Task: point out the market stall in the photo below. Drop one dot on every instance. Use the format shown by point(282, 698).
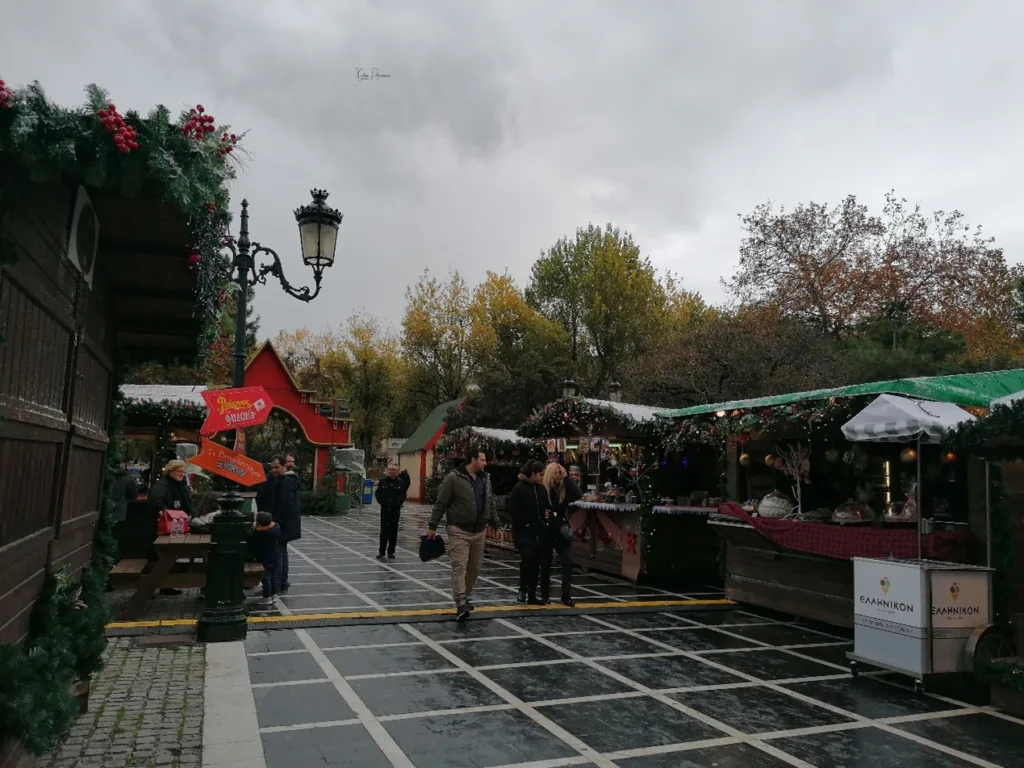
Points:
point(625, 524)
point(915, 615)
point(506, 453)
point(804, 501)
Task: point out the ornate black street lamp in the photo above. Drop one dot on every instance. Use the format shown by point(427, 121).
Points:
point(224, 618)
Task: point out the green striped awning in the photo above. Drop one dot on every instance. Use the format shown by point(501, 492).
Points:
point(971, 389)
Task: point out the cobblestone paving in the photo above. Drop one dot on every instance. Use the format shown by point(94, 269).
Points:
point(145, 709)
point(187, 605)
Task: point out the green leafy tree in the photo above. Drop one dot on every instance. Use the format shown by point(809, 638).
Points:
point(605, 295)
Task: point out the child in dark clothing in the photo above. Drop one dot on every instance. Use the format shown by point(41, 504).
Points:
point(265, 543)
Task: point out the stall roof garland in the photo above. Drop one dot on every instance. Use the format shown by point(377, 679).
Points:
point(163, 413)
point(188, 162)
point(591, 417)
point(967, 389)
point(819, 418)
point(452, 447)
point(999, 436)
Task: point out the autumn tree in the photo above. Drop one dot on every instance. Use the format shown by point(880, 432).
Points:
point(372, 376)
point(841, 268)
point(522, 356)
point(605, 295)
point(748, 353)
point(436, 339)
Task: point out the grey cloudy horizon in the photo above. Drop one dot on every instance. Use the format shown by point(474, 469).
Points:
point(503, 126)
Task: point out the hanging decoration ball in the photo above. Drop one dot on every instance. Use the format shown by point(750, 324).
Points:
point(769, 460)
point(720, 414)
point(948, 457)
point(908, 456)
point(744, 459)
point(780, 464)
point(832, 455)
point(194, 257)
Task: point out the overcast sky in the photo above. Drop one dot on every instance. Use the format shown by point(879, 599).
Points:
point(503, 125)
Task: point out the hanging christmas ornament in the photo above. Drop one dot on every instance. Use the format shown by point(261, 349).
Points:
point(769, 460)
point(194, 257)
point(908, 456)
point(832, 455)
point(744, 459)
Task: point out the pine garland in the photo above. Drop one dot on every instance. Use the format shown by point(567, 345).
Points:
point(571, 415)
point(999, 436)
point(452, 447)
point(186, 165)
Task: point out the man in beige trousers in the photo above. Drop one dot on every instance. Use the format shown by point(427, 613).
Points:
point(466, 498)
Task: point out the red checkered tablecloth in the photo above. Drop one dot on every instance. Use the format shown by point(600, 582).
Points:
point(844, 542)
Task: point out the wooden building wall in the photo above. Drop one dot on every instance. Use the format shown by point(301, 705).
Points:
point(55, 391)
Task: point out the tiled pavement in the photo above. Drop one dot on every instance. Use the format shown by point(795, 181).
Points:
point(727, 688)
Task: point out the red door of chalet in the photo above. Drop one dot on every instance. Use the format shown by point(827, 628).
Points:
point(55, 387)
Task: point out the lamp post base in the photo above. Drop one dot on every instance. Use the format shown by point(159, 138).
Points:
point(224, 619)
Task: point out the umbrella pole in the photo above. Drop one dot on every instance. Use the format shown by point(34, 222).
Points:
point(920, 511)
point(988, 516)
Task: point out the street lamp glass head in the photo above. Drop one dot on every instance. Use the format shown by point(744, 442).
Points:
point(568, 388)
point(318, 231)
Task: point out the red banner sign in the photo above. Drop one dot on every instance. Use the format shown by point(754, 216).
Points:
point(230, 464)
point(235, 409)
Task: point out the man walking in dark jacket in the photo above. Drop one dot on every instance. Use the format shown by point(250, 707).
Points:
point(286, 512)
point(391, 492)
point(531, 512)
point(465, 497)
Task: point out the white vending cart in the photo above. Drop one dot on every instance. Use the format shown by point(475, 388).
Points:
point(916, 616)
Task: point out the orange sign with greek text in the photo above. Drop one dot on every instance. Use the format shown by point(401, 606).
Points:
point(235, 409)
point(230, 464)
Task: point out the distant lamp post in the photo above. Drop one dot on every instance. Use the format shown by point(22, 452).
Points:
point(615, 392)
point(224, 618)
point(569, 388)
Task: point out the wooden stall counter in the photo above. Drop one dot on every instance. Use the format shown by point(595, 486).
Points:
point(806, 568)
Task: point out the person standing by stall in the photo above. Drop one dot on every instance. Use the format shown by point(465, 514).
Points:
point(390, 494)
point(562, 492)
point(286, 512)
point(530, 512)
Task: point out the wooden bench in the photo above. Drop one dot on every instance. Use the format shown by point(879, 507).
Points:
point(181, 564)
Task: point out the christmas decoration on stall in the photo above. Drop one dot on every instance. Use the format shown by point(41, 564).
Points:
point(813, 418)
point(999, 436)
point(103, 148)
point(452, 447)
point(575, 416)
point(795, 463)
point(164, 416)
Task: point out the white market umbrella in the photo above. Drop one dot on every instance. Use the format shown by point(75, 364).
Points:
point(895, 419)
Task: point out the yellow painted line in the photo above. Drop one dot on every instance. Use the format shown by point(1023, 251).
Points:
point(412, 613)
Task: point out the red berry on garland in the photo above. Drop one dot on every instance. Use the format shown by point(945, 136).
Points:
point(199, 108)
point(194, 257)
point(211, 207)
point(111, 107)
point(102, 113)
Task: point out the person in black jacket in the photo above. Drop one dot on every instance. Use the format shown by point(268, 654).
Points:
point(265, 543)
point(390, 494)
point(530, 511)
point(562, 492)
point(286, 512)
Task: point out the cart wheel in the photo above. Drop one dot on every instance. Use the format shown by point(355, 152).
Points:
point(918, 686)
point(854, 671)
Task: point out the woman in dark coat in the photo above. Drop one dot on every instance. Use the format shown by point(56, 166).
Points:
point(529, 505)
point(170, 492)
point(562, 492)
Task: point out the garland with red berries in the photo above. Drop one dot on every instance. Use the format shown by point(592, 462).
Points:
point(188, 160)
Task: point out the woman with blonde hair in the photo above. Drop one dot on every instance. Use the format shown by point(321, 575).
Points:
point(562, 492)
point(170, 492)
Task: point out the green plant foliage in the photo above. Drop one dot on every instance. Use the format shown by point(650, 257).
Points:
point(1008, 673)
point(41, 141)
point(999, 436)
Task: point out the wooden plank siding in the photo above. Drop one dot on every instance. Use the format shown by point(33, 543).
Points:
point(55, 384)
